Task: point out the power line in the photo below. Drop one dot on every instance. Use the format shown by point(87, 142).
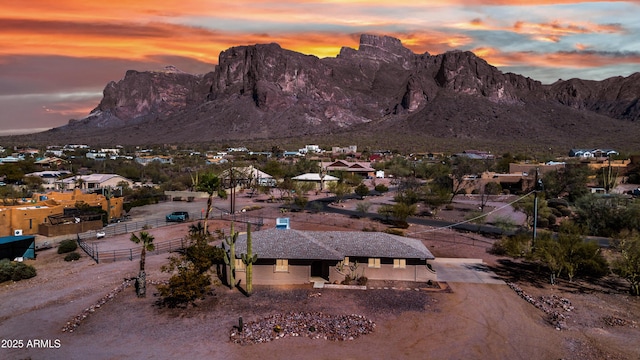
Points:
point(475, 218)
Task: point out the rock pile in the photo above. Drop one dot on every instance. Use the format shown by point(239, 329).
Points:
point(616, 321)
point(315, 325)
point(554, 306)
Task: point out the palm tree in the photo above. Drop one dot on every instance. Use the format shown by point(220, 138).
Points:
point(196, 229)
point(210, 184)
point(147, 245)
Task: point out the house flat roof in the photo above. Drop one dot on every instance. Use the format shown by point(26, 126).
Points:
point(10, 239)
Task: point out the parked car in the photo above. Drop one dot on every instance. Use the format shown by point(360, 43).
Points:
point(178, 216)
point(100, 234)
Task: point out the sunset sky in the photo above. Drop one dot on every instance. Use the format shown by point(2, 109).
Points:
point(57, 56)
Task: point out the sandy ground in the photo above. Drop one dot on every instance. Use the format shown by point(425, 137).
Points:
point(468, 321)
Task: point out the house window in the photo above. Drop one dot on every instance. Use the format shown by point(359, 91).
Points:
point(399, 263)
point(239, 265)
point(374, 262)
point(282, 265)
point(346, 260)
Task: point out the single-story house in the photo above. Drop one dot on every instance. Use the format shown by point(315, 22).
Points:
point(317, 179)
point(50, 177)
point(22, 246)
point(94, 181)
point(245, 177)
point(363, 169)
point(301, 257)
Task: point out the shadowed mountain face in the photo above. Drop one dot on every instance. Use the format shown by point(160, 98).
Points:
point(382, 94)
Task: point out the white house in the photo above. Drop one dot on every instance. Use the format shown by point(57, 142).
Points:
point(94, 182)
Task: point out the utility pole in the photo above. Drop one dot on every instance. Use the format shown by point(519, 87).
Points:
point(537, 186)
point(233, 189)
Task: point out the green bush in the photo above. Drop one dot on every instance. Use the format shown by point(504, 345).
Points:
point(72, 256)
point(565, 211)
point(514, 246)
point(381, 188)
point(394, 231)
point(67, 246)
point(16, 271)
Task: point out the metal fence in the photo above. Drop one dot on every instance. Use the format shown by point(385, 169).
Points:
point(93, 251)
point(126, 227)
point(132, 226)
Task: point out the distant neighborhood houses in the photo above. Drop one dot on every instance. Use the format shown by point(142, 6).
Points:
point(592, 153)
point(476, 155)
point(147, 159)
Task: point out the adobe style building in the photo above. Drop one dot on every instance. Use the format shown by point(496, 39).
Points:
point(43, 212)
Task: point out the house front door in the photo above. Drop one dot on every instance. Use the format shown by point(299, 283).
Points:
point(319, 269)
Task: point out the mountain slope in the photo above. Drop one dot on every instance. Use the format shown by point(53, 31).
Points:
point(382, 91)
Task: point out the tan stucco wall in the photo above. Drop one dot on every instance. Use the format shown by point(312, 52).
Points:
point(28, 215)
point(266, 275)
point(410, 273)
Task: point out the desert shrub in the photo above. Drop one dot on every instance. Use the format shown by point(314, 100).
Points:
point(16, 271)
point(67, 246)
point(394, 231)
point(565, 211)
point(515, 246)
point(72, 256)
point(381, 188)
point(6, 270)
point(251, 208)
point(543, 222)
point(362, 280)
point(23, 271)
point(449, 207)
point(361, 190)
point(185, 286)
point(347, 280)
point(557, 203)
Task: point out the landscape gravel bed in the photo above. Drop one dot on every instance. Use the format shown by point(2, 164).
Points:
point(316, 325)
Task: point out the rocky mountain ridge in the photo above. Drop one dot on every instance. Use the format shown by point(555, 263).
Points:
point(381, 90)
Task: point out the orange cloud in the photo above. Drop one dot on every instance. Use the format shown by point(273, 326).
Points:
point(557, 29)
point(575, 59)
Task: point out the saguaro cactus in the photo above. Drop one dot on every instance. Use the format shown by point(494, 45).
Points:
point(230, 256)
point(249, 259)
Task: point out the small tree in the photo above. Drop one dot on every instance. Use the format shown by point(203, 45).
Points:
point(147, 245)
point(363, 208)
point(627, 264)
point(186, 284)
point(340, 189)
point(210, 184)
point(362, 190)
